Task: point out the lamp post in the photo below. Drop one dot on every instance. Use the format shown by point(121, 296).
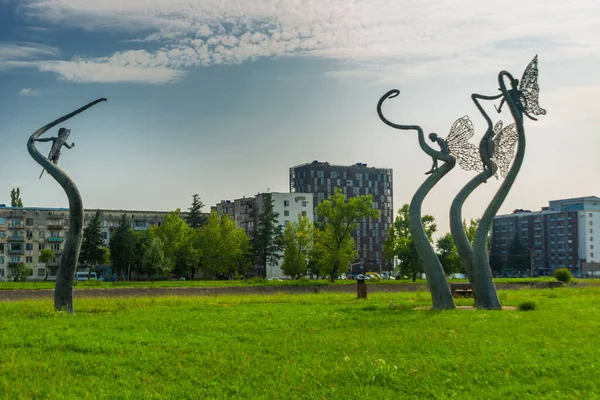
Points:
point(531, 261)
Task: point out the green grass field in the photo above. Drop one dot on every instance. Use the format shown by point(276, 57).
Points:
point(320, 346)
point(249, 282)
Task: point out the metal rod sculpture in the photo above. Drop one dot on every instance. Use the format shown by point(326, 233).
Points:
point(496, 152)
point(436, 279)
point(63, 292)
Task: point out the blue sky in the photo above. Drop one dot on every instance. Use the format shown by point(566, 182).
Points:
point(221, 97)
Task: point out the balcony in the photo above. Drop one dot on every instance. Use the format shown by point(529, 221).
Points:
point(55, 239)
point(16, 238)
point(55, 227)
point(16, 251)
point(16, 226)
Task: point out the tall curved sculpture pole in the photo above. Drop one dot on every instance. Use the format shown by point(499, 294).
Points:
point(63, 292)
point(481, 258)
point(484, 289)
point(436, 279)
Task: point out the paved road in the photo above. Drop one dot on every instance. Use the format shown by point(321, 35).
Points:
point(32, 294)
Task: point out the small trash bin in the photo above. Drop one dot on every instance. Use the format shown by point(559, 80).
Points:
point(361, 287)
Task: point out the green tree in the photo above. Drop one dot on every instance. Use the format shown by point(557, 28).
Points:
point(196, 219)
point(297, 244)
point(122, 246)
point(92, 246)
point(154, 261)
point(141, 240)
point(266, 241)
point(471, 229)
point(178, 238)
point(400, 242)
point(46, 256)
point(223, 246)
point(340, 217)
point(15, 198)
point(518, 255)
point(23, 272)
point(449, 256)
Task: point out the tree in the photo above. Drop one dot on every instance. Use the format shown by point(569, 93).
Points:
point(15, 198)
point(23, 272)
point(122, 245)
point(92, 246)
point(223, 246)
point(400, 242)
point(154, 260)
point(518, 255)
point(178, 238)
point(195, 217)
point(297, 244)
point(46, 256)
point(141, 240)
point(471, 229)
point(340, 218)
point(266, 241)
point(449, 256)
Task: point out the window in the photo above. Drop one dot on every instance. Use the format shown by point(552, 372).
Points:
point(591, 254)
point(42, 234)
point(2, 234)
point(591, 238)
point(41, 246)
point(304, 203)
point(29, 259)
point(29, 234)
point(1, 259)
point(591, 230)
point(55, 247)
point(28, 246)
point(15, 259)
point(104, 235)
point(41, 272)
point(591, 222)
point(29, 221)
point(591, 247)
point(42, 222)
point(286, 213)
point(55, 234)
point(2, 221)
point(304, 213)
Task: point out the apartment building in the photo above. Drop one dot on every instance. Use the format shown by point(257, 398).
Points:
point(245, 213)
point(26, 231)
point(558, 236)
point(321, 179)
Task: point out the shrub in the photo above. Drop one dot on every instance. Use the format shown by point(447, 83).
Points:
point(527, 306)
point(255, 281)
point(563, 275)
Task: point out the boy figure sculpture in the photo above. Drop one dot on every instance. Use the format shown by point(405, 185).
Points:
point(443, 148)
point(57, 144)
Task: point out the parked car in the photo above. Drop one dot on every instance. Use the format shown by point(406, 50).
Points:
point(84, 276)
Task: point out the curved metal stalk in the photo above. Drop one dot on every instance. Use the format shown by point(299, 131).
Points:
point(63, 292)
point(484, 289)
point(481, 258)
point(436, 279)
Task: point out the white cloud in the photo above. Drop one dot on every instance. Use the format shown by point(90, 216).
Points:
point(97, 72)
point(12, 52)
point(29, 92)
point(421, 36)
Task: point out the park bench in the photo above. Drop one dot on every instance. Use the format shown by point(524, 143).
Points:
point(461, 289)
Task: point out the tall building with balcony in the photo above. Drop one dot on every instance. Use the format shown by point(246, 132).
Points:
point(321, 179)
point(26, 231)
point(558, 236)
point(245, 213)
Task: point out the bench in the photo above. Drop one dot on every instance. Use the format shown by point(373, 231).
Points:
point(461, 290)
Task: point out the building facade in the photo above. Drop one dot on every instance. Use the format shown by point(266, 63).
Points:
point(26, 231)
point(322, 179)
point(559, 236)
point(246, 211)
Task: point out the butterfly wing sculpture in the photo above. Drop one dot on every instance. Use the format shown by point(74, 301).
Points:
point(530, 89)
point(467, 154)
point(504, 140)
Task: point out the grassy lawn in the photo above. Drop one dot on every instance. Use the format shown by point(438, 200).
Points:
point(319, 346)
point(249, 282)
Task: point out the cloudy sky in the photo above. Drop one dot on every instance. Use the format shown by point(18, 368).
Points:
point(221, 97)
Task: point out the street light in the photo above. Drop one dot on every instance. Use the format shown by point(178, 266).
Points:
point(531, 261)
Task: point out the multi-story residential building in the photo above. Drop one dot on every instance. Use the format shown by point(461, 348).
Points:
point(246, 211)
point(322, 179)
point(558, 236)
point(26, 231)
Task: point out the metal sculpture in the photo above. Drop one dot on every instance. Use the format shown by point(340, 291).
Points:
point(436, 279)
point(57, 144)
point(63, 292)
point(496, 152)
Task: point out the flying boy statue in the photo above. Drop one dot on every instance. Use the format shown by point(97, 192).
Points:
point(57, 144)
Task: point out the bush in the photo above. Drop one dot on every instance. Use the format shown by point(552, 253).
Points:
point(256, 281)
point(563, 275)
point(527, 306)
